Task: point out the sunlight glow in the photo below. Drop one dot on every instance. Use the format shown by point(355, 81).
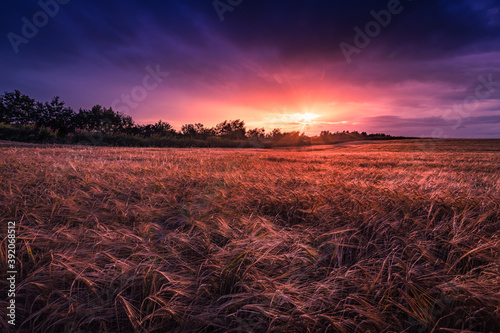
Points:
point(291, 121)
point(306, 118)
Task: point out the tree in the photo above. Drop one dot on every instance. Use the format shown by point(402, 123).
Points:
point(18, 108)
point(103, 120)
point(325, 133)
point(163, 129)
point(233, 129)
point(55, 116)
point(196, 131)
point(257, 133)
point(275, 134)
point(188, 130)
point(4, 115)
point(90, 120)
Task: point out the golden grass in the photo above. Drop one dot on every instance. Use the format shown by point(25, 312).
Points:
point(372, 237)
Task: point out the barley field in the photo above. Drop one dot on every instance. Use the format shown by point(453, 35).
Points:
point(393, 236)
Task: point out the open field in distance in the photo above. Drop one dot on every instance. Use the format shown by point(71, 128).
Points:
point(373, 236)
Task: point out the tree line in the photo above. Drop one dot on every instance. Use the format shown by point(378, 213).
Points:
point(24, 119)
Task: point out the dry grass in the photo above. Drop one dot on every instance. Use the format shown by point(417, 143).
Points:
point(378, 237)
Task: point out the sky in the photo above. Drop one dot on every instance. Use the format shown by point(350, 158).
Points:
point(410, 67)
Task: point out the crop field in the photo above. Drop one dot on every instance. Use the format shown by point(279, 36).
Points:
point(389, 236)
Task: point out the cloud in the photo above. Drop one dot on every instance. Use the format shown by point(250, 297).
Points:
point(265, 56)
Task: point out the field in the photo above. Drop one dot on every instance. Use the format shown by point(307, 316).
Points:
point(360, 237)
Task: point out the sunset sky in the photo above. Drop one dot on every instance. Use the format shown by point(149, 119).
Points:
point(428, 68)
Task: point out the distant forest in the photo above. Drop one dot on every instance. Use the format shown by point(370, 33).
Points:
point(24, 119)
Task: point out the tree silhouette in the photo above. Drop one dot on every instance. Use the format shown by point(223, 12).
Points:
point(257, 133)
point(101, 125)
point(232, 129)
point(18, 108)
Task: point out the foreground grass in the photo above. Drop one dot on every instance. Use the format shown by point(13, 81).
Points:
point(392, 236)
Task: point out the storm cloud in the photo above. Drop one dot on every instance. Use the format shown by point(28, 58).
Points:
point(265, 59)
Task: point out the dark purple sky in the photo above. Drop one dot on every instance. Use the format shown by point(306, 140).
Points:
point(420, 68)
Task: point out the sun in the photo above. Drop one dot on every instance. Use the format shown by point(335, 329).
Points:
point(293, 121)
point(306, 118)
